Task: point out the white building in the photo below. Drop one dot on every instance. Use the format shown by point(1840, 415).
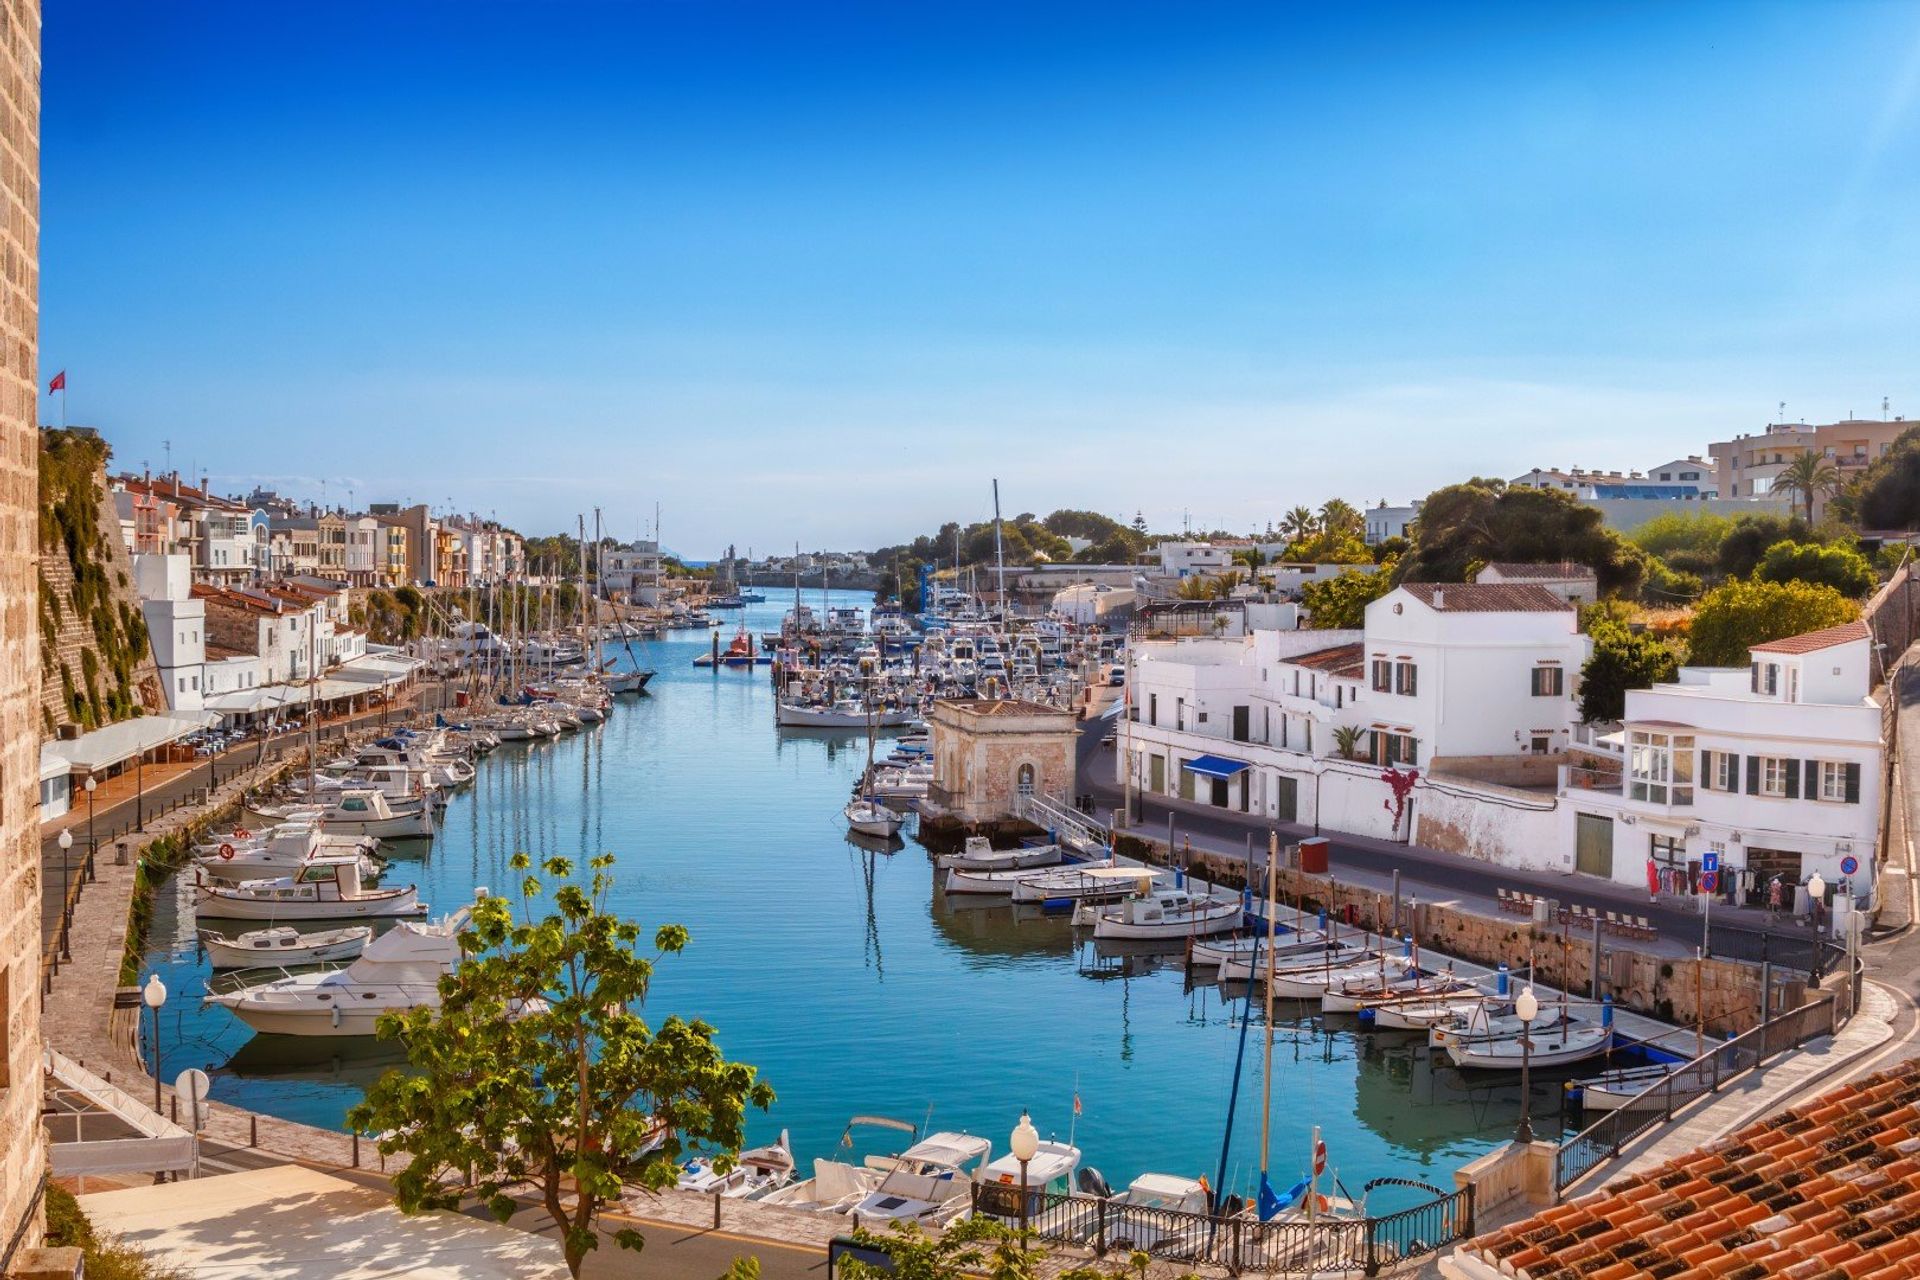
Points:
point(633, 573)
point(176, 626)
point(1385, 522)
point(1296, 725)
point(1774, 768)
point(1574, 583)
point(1187, 559)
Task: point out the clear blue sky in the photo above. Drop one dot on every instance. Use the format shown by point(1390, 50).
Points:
point(818, 272)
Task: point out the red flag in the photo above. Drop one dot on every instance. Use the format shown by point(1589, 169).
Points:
point(59, 382)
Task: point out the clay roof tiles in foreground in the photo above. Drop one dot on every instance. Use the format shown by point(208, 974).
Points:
point(1341, 659)
point(1830, 1189)
point(1486, 597)
point(1845, 633)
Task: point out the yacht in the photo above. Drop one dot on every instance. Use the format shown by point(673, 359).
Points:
point(399, 971)
point(931, 1181)
point(328, 887)
point(836, 1185)
point(365, 812)
point(280, 850)
point(1048, 1178)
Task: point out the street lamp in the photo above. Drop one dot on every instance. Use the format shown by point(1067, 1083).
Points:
point(66, 843)
point(90, 784)
point(1526, 1008)
point(1025, 1144)
point(153, 995)
point(1817, 891)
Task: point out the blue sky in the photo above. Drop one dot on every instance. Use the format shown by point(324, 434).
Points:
point(819, 272)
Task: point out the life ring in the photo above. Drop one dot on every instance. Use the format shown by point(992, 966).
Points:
point(241, 833)
point(226, 851)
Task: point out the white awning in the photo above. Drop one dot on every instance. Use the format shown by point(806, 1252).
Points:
point(133, 1138)
point(117, 743)
point(52, 764)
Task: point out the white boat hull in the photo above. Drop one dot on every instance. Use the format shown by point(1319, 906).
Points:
point(231, 904)
point(1222, 918)
point(334, 944)
point(1556, 1047)
point(794, 717)
point(1022, 859)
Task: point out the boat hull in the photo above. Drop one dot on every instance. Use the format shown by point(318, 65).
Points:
point(1198, 925)
point(224, 904)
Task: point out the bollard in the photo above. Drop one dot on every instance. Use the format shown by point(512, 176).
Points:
point(173, 1108)
point(253, 1131)
point(356, 1151)
point(1503, 979)
point(716, 1211)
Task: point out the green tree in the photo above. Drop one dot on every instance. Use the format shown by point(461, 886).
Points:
point(1835, 565)
point(1338, 516)
point(1682, 531)
point(1807, 478)
point(1299, 524)
point(1340, 603)
point(538, 1069)
point(1666, 585)
point(1622, 659)
point(1751, 535)
point(1889, 495)
point(1736, 615)
point(1486, 521)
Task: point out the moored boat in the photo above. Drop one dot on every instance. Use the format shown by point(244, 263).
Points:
point(327, 888)
point(1165, 915)
point(283, 945)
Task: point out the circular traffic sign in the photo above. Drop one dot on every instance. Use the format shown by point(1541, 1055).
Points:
point(1709, 881)
point(1849, 865)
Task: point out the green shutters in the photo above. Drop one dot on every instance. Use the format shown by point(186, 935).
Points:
point(1753, 775)
point(1793, 779)
point(1853, 784)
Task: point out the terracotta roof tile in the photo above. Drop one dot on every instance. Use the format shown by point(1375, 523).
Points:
point(1486, 597)
point(1828, 1201)
point(1333, 660)
point(1813, 641)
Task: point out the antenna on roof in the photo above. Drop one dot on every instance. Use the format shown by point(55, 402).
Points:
point(1783, 411)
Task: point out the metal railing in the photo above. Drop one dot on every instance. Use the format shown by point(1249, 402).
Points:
point(1603, 1140)
point(1237, 1242)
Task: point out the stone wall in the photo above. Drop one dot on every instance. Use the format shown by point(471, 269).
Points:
point(22, 1145)
point(1495, 824)
point(74, 634)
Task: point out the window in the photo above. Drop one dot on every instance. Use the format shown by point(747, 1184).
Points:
point(1296, 684)
point(1839, 782)
point(1394, 748)
point(1153, 708)
point(1773, 776)
point(1722, 770)
point(1660, 767)
point(1542, 744)
point(1382, 675)
point(1025, 780)
point(1766, 677)
point(1547, 682)
point(1404, 678)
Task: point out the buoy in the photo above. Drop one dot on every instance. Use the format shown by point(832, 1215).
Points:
point(226, 851)
point(241, 833)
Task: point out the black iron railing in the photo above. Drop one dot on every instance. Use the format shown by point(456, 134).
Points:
point(1724, 1061)
point(1237, 1242)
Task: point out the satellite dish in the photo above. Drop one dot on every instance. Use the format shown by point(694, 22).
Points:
point(191, 1087)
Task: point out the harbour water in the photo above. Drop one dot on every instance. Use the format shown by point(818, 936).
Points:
point(848, 979)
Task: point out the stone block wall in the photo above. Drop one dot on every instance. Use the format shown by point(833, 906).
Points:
point(74, 634)
point(22, 1145)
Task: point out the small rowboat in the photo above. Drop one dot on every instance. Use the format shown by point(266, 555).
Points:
point(1612, 1090)
point(1571, 1041)
point(284, 945)
point(980, 855)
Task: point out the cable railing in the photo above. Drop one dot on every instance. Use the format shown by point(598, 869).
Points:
point(1655, 1105)
point(1237, 1242)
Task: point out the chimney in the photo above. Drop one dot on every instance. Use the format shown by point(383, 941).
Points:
point(1439, 598)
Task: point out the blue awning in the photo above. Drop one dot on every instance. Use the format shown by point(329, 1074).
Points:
point(1215, 766)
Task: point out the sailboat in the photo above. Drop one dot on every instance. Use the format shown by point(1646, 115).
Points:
point(864, 814)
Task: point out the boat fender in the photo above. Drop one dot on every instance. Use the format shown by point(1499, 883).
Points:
point(226, 851)
point(1092, 1183)
point(334, 1014)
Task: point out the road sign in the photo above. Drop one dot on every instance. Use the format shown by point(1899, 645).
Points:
point(1849, 865)
point(1709, 881)
point(1710, 862)
point(191, 1088)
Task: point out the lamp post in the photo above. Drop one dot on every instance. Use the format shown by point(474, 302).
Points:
point(92, 848)
point(1817, 892)
point(1025, 1144)
point(153, 995)
point(66, 843)
point(1526, 1008)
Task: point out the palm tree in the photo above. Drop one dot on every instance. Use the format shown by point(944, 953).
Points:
point(1808, 477)
point(1298, 523)
point(1346, 740)
point(1337, 516)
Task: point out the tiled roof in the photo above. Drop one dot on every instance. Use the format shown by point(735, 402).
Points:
point(1002, 707)
point(1331, 660)
point(1845, 633)
point(221, 597)
point(1830, 1188)
point(1554, 571)
point(1486, 597)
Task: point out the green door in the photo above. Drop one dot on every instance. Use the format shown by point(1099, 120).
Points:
point(1286, 796)
point(1593, 845)
point(1157, 775)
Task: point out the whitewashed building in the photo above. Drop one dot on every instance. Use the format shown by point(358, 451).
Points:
point(1574, 583)
point(1188, 559)
point(1383, 521)
point(633, 573)
point(1773, 769)
point(176, 626)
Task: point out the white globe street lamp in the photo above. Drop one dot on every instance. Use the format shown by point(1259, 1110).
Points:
point(153, 995)
point(1526, 1008)
point(1025, 1144)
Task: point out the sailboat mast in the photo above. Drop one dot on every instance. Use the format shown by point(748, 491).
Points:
point(1266, 1072)
point(999, 552)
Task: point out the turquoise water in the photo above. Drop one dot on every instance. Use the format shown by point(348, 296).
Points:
point(851, 982)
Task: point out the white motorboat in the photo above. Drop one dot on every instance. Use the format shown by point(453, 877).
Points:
point(1612, 1090)
point(845, 714)
point(757, 1171)
point(978, 854)
point(400, 970)
point(871, 818)
point(279, 851)
point(283, 945)
point(834, 1184)
point(930, 1181)
point(1246, 948)
point(1554, 1046)
point(1048, 1176)
point(1420, 1015)
point(1000, 884)
point(1164, 915)
point(1137, 1220)
point(327, 888)
point(1097, 881)
point(1406, 983)
point(365, 812)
